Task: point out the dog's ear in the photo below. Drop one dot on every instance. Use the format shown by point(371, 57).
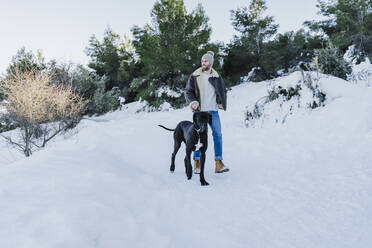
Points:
point(210, 119)
point(194, 117)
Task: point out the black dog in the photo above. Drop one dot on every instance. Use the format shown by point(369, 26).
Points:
point(191, 133)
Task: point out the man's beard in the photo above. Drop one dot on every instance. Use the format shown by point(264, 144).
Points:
point(206, 67)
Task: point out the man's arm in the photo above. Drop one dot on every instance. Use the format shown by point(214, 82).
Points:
point(223, 94)
point(190, 96)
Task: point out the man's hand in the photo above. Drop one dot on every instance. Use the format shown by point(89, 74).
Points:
point(195, 106)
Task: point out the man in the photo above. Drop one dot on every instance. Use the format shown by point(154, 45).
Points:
point(206, 91)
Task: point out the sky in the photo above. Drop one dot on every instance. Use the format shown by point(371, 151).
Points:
point(61, 29)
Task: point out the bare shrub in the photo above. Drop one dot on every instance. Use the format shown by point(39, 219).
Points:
point(39, 108)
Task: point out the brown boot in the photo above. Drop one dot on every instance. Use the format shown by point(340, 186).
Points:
point(196, 166)
point(220, 167)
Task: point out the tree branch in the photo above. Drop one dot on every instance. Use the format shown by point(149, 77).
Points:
point(12, 142)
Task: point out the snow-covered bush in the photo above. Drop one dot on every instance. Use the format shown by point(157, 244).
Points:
point(146, 107)
point(300, 92)
point(103, 102)
point(361, 74)
point(252, 76)
point(330, 61)
point(5, 123)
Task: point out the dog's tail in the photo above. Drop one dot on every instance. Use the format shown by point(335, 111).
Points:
point(166, 128)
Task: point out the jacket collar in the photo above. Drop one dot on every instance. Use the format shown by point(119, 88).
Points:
point(199, 71)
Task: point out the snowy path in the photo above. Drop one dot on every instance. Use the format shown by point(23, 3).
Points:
point(304, 184)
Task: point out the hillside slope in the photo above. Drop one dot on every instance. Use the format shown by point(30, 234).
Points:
point(306, 183)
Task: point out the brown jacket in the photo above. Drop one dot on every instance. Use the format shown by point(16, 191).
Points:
point(194, 88)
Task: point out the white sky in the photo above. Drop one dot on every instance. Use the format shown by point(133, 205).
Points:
point(61, 29)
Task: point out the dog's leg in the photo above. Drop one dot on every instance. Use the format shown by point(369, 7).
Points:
point(177, 145)
point(188, 167)
point(202, 162)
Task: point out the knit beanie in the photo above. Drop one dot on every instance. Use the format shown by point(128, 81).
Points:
point(209, 56)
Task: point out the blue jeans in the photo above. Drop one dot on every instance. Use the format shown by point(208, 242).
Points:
point(217, 137)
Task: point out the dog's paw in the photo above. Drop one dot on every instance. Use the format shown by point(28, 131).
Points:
point(204, 183)
point(172, 169)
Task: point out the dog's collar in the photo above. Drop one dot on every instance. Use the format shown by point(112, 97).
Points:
point(197, 130)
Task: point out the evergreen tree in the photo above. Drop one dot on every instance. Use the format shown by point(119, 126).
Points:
point(25, 61)
point(88, 84)
point(288, 50)
point(247, 49)
point(349, 23)
point(331, 61)
point(169, 50)
point(253, 26)
point(112, 59)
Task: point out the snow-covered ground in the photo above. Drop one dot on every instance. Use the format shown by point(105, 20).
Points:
point(362, 73)
point(307, 183)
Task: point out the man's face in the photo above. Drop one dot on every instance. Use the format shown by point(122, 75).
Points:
point(205, 65)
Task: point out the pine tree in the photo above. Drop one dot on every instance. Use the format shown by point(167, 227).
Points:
point(247, 49)
point(349, 23)
point(170, 49)
point(253, 26)
point(331, 61)
point(112, 59)
point(25, 61)
point(288, 50)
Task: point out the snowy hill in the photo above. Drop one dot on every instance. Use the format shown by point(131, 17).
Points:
point(306, 183)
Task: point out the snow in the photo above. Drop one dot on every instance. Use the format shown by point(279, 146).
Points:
point(167, 91)
point(306, 183)
point(3, 109)
point(362, 73)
